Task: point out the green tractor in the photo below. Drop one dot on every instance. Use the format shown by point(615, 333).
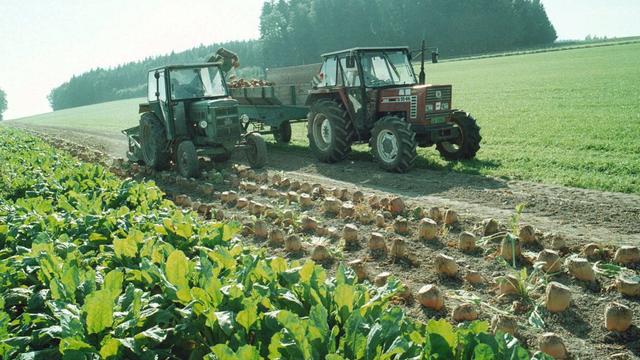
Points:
point(190, 113)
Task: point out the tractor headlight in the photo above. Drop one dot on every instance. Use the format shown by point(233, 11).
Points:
point(203, 124)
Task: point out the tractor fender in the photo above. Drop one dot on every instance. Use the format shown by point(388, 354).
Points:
point(340, 96)
point(312, 98)
point(459, 114)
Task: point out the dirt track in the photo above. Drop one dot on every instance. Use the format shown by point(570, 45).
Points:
point(580, 215)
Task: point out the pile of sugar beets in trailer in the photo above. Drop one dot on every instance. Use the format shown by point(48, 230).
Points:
point(355, 96)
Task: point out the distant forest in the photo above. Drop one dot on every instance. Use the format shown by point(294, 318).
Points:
point(3, 103)
point(294, 32)
point(130, 80)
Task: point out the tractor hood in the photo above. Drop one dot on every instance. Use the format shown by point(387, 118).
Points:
point(217, 120)
point(215, 103)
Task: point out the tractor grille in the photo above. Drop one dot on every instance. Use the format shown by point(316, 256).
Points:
point(227, 116)
point(227, 111)
point(443, 91)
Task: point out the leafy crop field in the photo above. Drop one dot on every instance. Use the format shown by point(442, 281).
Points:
point(568, 117)
point(95, 267)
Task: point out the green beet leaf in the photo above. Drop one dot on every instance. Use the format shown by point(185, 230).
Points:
point(247, 317)
point(110, 349)
point(99, 309)
point(177, 269)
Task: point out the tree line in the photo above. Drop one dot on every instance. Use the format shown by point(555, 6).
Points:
point(130, 80)
point(295, 32)
point(3, 103)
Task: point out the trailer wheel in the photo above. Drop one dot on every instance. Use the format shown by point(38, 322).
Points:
point(256, 150)
point(187, 160)
point(393, 144)
point(154, 142)
point(467, 145)
point(329, 130)
point(282, 134)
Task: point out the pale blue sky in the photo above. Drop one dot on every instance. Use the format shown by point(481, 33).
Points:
point(44, 42)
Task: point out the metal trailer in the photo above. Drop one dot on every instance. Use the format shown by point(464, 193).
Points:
point(272, 109)
point(262, 111)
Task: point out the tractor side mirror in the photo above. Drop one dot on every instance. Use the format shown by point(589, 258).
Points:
point(351, 62)
point(156, 75)
point(434, 57)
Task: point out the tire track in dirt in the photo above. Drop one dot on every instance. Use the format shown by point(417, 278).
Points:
point(580, 215)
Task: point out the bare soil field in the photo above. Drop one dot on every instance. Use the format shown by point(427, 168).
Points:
point(581, 215)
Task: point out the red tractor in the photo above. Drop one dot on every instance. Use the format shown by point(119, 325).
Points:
point(372, 95)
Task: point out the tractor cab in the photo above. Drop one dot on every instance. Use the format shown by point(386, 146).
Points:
point(190, 113)
point(190, 100)
point(371, 68)
point(371, 95)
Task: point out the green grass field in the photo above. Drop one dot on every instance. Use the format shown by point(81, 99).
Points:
point(565, 117)
point(109, 118)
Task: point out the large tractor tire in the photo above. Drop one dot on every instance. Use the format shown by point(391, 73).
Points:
point(154, 145)
point(467, 145)
point(393, 144)
point(187, 160)
point(256, 150)
point(282, 134)
point(329, 130)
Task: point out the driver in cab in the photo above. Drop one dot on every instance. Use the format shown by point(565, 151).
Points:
point(370, 78)
point(186, 84)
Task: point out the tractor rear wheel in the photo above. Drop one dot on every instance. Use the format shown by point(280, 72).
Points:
point(154, 142)
point(282, 134)
point(329, 130)
point(393, 144)
point(467, 145)
point(187, 160)
point(256, 150)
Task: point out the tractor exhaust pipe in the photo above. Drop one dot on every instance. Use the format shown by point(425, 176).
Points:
point(422, 78)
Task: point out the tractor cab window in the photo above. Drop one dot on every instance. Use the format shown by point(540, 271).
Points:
point(152, 87)
point(384, 68)
point(194, 83)
point(328, 72)
point(156, 85)
point(351, 76)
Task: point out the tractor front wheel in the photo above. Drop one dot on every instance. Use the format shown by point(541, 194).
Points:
point(187, 160)
point(154, 142)
point(282, 134)
point(394, 144)
point(467, 144)
point(329, 130)
point(256, 150)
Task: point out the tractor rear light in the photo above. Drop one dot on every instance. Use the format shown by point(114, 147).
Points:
point(203, 124)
